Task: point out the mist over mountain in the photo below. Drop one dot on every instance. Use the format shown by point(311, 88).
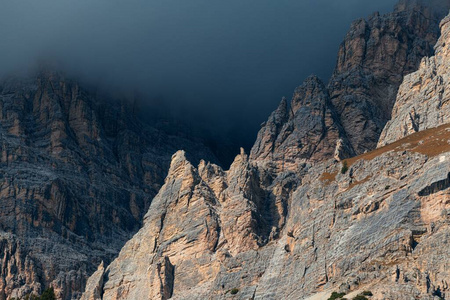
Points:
point(209, 64)
point(119, 128)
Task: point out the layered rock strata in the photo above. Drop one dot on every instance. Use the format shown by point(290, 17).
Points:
point(78, 172)
point(373, 59)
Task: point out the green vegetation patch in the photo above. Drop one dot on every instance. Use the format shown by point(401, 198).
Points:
point(48, 294)
point(344, 167)
point(360, 297)
point(336, 295)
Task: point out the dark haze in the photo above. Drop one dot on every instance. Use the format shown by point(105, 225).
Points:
point(219, 66)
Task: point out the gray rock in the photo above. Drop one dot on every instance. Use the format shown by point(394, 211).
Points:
point(348, 115)
point(261, 231)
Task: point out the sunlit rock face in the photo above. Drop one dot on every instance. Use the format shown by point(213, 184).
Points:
point(382, 226)
point(78, 172)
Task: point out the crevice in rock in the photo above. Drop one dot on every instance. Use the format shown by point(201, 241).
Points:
point(436, 187)
point(415, 237)
point(254, 293)
point(438, 293)
point(414, 243)
point(168, 276)
point(102, 287)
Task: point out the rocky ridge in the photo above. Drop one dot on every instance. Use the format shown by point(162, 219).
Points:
point(383, 226)
point(373, 59)
point(79, 173)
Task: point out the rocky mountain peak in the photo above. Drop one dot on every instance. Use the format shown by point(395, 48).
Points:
point(348, 115)
point(300, 216)
point(178, 164)
point(241, 158)
point(381, 226)
point(308, 133)
point(311, 92)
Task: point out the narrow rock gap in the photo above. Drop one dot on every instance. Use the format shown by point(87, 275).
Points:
point(436, 187)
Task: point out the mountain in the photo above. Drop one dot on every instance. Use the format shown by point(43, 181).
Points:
point(314, 208)
point(290, 243)
point(302, 217)
point(347, 116)
point(78, 171)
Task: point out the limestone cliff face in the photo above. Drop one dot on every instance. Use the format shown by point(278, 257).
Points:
point(424, 97)
point(383, 226)
point(308, 130)
point(78, 172)
point(197, 222)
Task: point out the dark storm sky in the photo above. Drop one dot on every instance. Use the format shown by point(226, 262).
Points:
point(224, 63)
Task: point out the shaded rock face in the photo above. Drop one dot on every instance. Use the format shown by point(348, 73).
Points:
point(78, 172)
point(423, 100)
point(373, 59)
point(308, 130)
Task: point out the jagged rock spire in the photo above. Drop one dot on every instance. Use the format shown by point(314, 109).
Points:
point(308, 132)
